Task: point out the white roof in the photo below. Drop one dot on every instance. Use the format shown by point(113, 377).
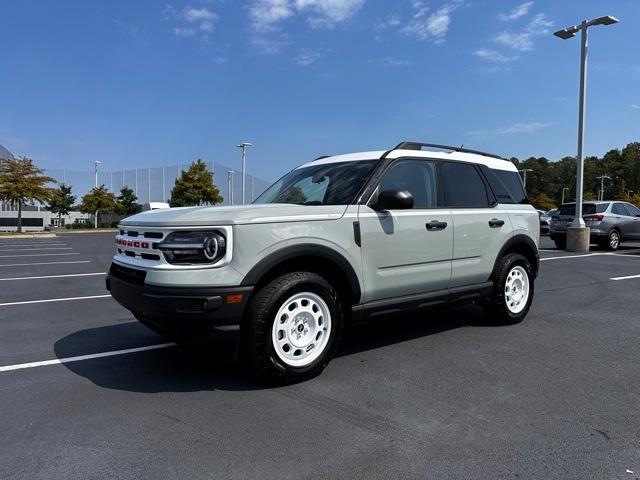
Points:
point(490, 162)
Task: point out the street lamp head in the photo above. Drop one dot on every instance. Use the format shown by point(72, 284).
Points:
point(566, 33)
point(606, 20)
point(97, 162)
point(245, 144)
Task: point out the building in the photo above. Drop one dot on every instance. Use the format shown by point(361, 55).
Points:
point(35, 217)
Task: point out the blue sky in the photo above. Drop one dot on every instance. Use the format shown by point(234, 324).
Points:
point(149, 82)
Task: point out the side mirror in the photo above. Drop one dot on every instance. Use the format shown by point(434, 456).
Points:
point(394, 200)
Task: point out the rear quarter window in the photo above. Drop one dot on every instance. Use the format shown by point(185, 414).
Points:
point(507, 185)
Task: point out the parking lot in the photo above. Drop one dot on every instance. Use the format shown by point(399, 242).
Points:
point(87, 392)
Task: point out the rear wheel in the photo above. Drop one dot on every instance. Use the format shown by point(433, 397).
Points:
point(613, 240)
point(561, 243)
point(513, 291)
point(292, 327)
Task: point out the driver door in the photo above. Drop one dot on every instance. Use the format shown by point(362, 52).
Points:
point(408, 251)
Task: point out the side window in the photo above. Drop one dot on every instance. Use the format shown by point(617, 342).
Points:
point(618, 209)
point(418, 177)
point(463, 186)
point(633, 210)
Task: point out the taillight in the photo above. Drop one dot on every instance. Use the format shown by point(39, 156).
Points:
point(593, 218)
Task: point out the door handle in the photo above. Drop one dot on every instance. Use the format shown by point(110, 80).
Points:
point(494, 222)
point(436, 225)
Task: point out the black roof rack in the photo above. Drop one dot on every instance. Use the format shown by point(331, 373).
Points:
point(419, 145)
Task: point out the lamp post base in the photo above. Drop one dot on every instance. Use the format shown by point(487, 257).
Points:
point(578, 239)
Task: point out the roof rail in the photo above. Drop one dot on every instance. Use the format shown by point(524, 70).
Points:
point(321, 157)
point(419, 145)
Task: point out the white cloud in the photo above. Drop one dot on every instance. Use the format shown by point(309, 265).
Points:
point(266, 15)
point(392, 62)
point(634, 106)
point(493, 56)
point(433, 27)
point(269, 46)
point(523, 127)
point(184, 31)
point(307, 57)
point(195, 15)
point(389, 22)
point(523, 41)
point(519, 11)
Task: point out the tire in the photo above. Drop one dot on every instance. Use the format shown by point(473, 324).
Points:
point(613, 240)
point(292, 328)
point(515, 271)
point(561, 244)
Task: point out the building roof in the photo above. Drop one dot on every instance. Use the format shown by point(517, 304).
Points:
point(5, 154)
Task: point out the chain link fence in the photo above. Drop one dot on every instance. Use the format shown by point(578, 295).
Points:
point(154, 184)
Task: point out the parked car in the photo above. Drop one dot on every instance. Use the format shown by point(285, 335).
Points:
point(335, 241)
point(611, 223)
point(545, 221)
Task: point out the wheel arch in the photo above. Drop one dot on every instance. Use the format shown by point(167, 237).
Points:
point(314, 258)
point(522, 244)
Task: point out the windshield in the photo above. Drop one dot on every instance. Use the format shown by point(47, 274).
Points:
point(324, 184)
point(587, 209)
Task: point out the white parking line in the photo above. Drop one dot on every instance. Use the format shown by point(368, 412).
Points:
point(49, 300)
point(52, 276)
point(610, 254)
point(42, 263)
point(38, 255)
point(625, 278)
point(31, 249)
point(80, 358)
point(33, 244)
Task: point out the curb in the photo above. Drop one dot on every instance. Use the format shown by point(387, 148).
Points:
point(28, 235)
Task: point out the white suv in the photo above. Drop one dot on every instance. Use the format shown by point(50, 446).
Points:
point(336, 240)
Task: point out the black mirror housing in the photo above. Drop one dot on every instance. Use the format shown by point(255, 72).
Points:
point(394, 200)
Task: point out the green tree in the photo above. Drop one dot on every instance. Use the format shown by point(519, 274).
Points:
point(195, 187)
point(22, 181)
point(127, 202)
point(543, 202)
point(61, 201)
point(98, 201)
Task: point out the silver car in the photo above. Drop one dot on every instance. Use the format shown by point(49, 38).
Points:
point(611, 223)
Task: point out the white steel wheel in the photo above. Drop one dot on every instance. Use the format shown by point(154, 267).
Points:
point(614, 240)
point(301, 329)
point(516, 289)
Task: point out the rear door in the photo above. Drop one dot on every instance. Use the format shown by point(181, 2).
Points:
point(407, 252)
point(623, 220)
point(481, 225)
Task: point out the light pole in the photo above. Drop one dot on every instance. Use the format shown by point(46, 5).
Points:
point(602, 178)
point(244, 146)
point(95, 171)
point(524, 172)
point(230, 186)
point(565, 188)
point(578, 233)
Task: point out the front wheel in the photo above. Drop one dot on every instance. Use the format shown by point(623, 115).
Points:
point(613, 240)
point(292, 327)
point(513, 291)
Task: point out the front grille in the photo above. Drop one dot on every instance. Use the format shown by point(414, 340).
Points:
point(126, 274)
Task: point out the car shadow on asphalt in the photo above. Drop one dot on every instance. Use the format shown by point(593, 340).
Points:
point(213, 366)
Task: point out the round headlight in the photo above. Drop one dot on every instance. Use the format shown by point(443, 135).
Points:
point(211, 247)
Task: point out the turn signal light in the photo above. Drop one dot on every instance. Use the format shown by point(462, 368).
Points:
point(235, 298)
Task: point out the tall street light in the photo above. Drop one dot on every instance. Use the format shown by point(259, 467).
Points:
point(602, 178)
point(95, 170)
point(230, 186)
point(244, 146)
point(524, 172)
point(578, 234)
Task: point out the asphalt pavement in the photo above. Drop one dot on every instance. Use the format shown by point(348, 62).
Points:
point(87, 392)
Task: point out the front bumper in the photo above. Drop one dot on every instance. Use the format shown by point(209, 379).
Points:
point(176, 307)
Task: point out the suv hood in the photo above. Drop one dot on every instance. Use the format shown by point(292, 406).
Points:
point(236, 215)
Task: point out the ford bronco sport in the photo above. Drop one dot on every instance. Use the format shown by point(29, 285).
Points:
point(337, 240)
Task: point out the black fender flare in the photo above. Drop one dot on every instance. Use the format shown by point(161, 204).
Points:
point(278, 257)
point(514, 241)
